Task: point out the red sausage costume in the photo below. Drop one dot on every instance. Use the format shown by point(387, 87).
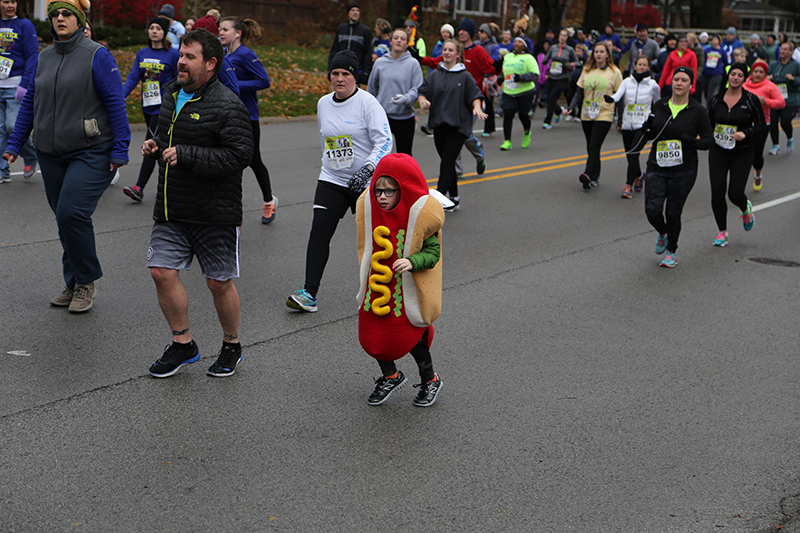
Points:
point(396, 309)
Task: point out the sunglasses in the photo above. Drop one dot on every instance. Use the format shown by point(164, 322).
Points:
point(66, 13)
point(388, 192)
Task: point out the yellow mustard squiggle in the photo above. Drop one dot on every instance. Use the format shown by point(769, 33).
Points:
point(383, 273)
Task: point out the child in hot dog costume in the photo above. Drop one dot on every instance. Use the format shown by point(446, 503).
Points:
point(399, 248)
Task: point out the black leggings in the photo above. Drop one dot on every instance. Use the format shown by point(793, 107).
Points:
point(421, 354)
point(554, 90)
point(632, 140)
point(448, 143)
point(721, 162)
point(333, 201)
point(488, 124)
point(148, 163)
point(520, 104)
point(595, 133)
point(403, 130)
point(260, 170)
point(759, 140)
point(672, 186)
point(783, 118)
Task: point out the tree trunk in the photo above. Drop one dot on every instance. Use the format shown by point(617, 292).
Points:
point(597, 15)
point(706, 13)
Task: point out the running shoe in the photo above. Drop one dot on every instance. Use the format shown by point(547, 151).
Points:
point(526, 139)
point(426, 130)
point(481, 167)
point(63, 299)
point(174, 357)
point(670, 260)
point(29, 171)
point(456, 205)
point(384, 387)
point(558, 116)
point(790, 146)
point(115, 179)
point(302, 301)
point(229, 356)
point(776, 149)
point(134, 193)
point(568, 118)
point(268, 211)
point(756, 182)
point(661, 244)
point(721, 240)
point(505, 146)
point(5, 179)
point(82, 298)
point(586, 181)
point(547, 127)
point(638, 183)
point(428, 392)
point(627, 192)
point(595, 183)
point(484, 134)
point(748, 218)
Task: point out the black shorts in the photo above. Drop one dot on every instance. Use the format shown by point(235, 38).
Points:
point(335, 198)
point(174, 244)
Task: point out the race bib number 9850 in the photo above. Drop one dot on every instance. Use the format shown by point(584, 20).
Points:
point(669, 153)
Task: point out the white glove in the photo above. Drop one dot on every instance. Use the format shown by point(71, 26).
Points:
point(399, 99)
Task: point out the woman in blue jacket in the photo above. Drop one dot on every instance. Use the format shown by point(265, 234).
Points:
point(252, 77)
point(155, 66)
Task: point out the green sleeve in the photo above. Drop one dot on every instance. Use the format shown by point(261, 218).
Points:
point(428, 256)
point(421, 48)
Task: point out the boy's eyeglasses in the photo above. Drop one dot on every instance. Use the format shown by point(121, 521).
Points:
point(66, 13)
point(388, 192)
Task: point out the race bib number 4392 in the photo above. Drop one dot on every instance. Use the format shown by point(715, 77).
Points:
point(339, 152)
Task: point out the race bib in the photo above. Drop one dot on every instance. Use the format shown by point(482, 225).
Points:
point(151, 93)
point(635, 113)
point(784, 89)
point(669, 153)
point(591, 109)
point(339, 152)
point(712, 62)
point(556, 67)
point(5, 67)
point(509, 82)
point(723, 136)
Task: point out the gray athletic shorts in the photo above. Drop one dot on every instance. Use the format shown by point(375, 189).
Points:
point(174, 244)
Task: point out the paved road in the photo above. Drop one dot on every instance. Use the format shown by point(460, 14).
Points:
point(586, 389)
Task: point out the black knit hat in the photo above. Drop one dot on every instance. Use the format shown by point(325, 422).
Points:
point(347, 60)
point(739, 66)
point(686, 70)
point(161, 21)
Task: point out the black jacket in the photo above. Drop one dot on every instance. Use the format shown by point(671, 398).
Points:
point(358, 38)
point(214, 141)
point(691, 122)
point(746, 115)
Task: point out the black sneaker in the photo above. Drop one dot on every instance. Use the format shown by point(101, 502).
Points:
point(384, 387)
point(481, 167)
point(428, 392)
point(456, 205)
point(175, 356)
point(426, 130)
point(227, 360)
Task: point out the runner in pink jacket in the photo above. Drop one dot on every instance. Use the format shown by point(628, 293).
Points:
point(771, 98)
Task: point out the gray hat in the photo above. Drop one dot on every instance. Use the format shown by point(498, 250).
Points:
point(168, 11)
point(755, 36)
point(731, 31)
point(486, 29)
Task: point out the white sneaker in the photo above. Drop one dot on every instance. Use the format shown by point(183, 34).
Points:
point(115, 179)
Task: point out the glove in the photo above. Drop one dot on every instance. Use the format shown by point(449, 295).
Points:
point(515, 78)
point(608, 98)
point(20, 94)
point(361, 179)
point(689, 139)
point(399, 99)
point(648, 124)
point(414, 52)
point(363, 79)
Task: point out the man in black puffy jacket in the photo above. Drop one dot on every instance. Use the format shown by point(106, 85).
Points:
point(204, 142)
point(352, 35)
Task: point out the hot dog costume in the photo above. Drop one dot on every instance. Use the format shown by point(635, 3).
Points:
point(396, 309)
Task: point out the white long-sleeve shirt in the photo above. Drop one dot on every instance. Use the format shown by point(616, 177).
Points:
point(352, 133)
point(638, 100)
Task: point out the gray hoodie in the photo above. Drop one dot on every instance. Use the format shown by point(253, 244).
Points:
point(391, 77)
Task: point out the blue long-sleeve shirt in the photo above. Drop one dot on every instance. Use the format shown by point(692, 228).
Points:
point(108, 85)
point(159, 65)
point(251, 76)
point(18, 42)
